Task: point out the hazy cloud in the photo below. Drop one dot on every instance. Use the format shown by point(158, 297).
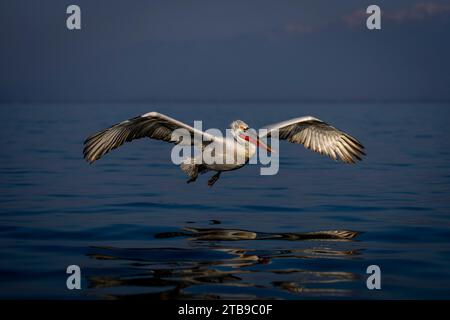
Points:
point(299, 28)
point(416, 12)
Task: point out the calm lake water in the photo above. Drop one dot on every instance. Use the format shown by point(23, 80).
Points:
point(136, 229)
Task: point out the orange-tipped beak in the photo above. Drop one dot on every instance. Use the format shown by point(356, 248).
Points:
point(256, 141)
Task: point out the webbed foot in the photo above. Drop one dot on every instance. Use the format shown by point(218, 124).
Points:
point(214, 179)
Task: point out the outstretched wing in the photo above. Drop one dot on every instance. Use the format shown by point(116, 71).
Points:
point(152, 125)
point(320, 137)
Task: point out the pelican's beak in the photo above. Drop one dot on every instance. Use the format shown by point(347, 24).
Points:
point(256, 141)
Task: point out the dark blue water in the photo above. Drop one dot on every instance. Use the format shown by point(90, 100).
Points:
point(137, 229)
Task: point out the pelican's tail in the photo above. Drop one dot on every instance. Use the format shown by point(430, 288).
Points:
point(192, 169)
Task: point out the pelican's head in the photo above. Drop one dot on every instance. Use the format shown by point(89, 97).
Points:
point(241, 133)
point(239, 126)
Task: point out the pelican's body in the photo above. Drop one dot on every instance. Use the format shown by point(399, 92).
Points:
point(313, 133)
point(229, 147)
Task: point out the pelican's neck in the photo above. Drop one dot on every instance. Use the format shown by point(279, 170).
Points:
point(246, 146)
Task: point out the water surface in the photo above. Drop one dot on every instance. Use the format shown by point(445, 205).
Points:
point(137, 229)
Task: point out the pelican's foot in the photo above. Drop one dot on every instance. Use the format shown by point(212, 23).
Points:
point(191, 180)
point(213, 179)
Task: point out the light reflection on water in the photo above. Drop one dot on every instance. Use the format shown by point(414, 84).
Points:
point(169, 273)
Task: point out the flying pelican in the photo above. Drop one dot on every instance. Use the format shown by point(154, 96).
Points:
point(313, 133)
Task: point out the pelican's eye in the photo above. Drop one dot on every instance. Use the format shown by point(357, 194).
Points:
point(244, 129)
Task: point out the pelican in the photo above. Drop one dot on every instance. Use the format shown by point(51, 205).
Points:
point(312, 133)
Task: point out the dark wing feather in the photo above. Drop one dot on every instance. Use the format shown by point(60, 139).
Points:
point(151, 125)
point(320, 137)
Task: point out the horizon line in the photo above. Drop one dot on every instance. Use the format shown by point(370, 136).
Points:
point(166, 100)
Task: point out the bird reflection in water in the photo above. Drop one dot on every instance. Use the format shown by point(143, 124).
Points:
point(209, 269)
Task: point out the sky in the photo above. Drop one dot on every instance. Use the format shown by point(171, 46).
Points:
point(224, 50)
